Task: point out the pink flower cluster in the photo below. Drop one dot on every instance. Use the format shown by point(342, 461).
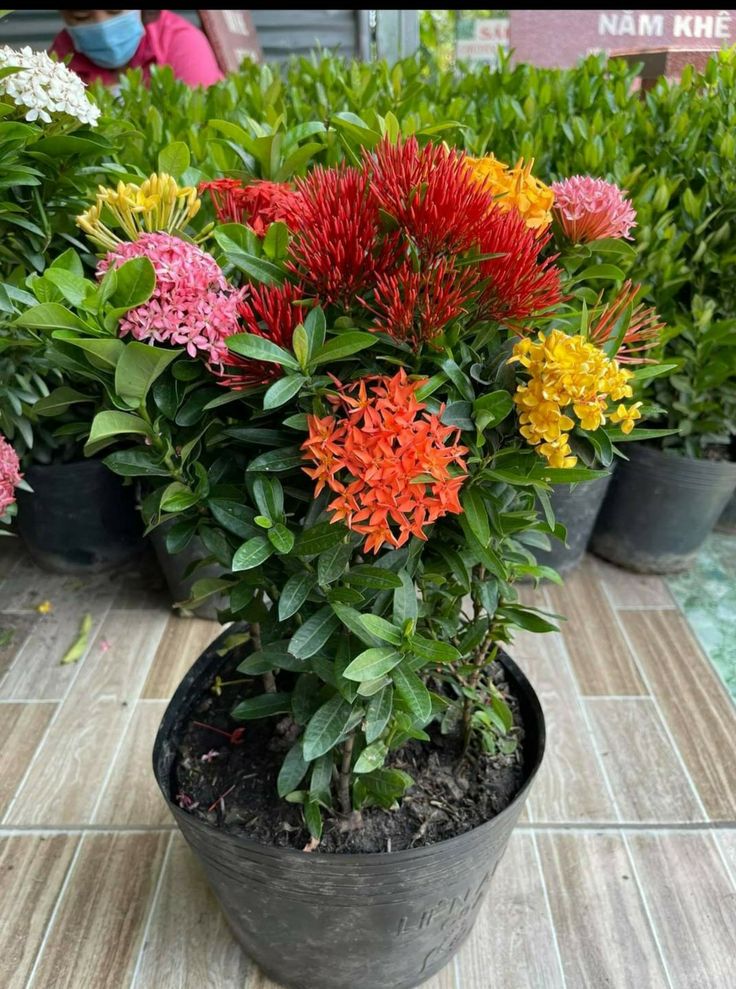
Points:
point(10, 475)
point(192, 304)
point(589, 209)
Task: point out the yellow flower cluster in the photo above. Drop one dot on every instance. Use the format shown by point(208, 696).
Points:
point(568, 371)
point(516, 188)
point(158, 204)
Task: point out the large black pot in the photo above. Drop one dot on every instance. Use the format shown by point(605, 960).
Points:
point(659, 509)
point(324, 921)
point(80, 518)
point(727, 520)
point(576, 506)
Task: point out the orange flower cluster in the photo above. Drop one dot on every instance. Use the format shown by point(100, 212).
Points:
point(393, 459)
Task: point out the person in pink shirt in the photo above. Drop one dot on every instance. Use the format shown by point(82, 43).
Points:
point(104, 43)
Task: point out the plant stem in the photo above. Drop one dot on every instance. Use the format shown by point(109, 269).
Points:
point(479, 662)
point(268, 679)
point(346, 804)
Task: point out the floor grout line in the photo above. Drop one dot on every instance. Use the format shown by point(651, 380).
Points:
point(54, 912)
point(665, 724)
point(731, 873)
point(55, 715)
point(647, 911)
point(151, 911)
point(550, 915)
point(131, 708)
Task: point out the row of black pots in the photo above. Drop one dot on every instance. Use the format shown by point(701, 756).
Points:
point(652, 515)
point(346, 921)
point(80, 518)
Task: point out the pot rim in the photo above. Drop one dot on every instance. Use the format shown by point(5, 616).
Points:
point(175, 714)
point(643, 451)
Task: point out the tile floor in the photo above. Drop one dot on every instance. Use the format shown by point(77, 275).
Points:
point(621, 875)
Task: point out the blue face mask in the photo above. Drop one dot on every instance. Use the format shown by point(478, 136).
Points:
point(111, 43)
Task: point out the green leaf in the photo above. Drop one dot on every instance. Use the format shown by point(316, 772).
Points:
point(137, 368)
point(434, 651)
point(80, 645)
point(233, 516)
point(261, 349)
point(326, 727)
point(333, 562)
point(528, 620)
point(321, 779)
point(475, 512)
point(276, 241)
point(378, 713)
point(382, 629)
point(271, 657)
point(252, 553)
point(59, 400)
point(263, 706)
point(135, 282)
point(353, 620)
point(73, 287)
point(281, 538)
point(314, 633)
point(491, 409)
point(135, 463)
point(372, 663)
point(413, 693)
point(259, 269)
point(286, 458)
point(178, 497)
point(110, 424)
point(51, 316)
point(315, 327)
point(343, 345)
point(319, 538)
point(294, 593)
point(406, 606)
point(374, 578)
point(383, 787)
point(371, 758)
point(174, 159)
point(282, 390)
point(293, 770)
point(313, 818)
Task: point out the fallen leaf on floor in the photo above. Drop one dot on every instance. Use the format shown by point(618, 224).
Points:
point(79, 647)
point(44, 608)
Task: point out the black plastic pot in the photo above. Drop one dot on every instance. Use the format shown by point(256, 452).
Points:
point(727, 521)
point(323, 921)
point(659, 509)
point(80, 518)
point(576, 506)
point(174, 568)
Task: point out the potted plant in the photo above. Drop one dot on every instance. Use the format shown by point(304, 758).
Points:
point(365, 453)
point(664, 502)
point(48, 153)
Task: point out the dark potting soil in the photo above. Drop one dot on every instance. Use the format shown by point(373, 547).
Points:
point(234, 785)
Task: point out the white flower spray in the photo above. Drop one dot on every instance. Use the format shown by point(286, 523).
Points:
point(45, 90)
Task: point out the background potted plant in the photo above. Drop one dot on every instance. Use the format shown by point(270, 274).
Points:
point(367, 441)
point(664, 502)
point(50, 155)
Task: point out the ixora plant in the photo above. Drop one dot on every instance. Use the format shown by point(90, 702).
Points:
point(357, 400)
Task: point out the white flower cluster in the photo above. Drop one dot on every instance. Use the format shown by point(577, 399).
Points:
point(45, 89)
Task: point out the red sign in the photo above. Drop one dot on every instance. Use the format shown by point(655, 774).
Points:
point(232, 36)
point(559, 38)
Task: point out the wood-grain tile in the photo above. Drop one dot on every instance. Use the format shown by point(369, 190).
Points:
point(21, 729)
point(570, 785)
point(698, 712)
point(32, 871)
point(131, 797)
point(14, 630)
point(65, 781)
point(96, 934)
point(647, 778)
point(37, 673)
point(28, 586)
point(514, 918)
point(601, 659)
point(692, 903)
point(602, 930)
point(631, 590)
point(189, 942)
point(182, 643)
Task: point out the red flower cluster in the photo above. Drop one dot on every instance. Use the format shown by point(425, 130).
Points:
point(393, 461)
point(259, 204)
point(415, 306)
point(267, 311)
point(519, 284)
point(336, 252)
